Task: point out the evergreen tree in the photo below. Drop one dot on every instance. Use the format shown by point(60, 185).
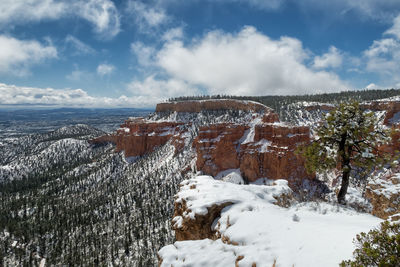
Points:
point(348, 139)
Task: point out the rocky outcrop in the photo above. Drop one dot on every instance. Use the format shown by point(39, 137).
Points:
point(138, 137)
point(262, 150)
point(212, 105)
point(199, 227)
point(201, 200)
point(384, 196)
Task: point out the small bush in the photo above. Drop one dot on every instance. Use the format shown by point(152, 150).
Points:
point(380, 247)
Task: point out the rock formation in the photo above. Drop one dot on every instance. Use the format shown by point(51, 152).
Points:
point(384, 196)
point(265, 150)
point(138, 137)
point(262, 147)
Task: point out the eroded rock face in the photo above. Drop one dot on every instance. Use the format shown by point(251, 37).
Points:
point(199, 227)
point(263, 150)
point(138, 137)
point(217, 147)
point(384, 196)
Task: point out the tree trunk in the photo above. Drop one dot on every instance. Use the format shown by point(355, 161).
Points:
point(345, 167)
point(345, 184)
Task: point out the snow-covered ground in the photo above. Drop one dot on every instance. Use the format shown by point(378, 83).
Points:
point(306, 234)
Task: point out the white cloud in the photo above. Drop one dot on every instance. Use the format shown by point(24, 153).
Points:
point(161, 89)
point(80, 47)
point(332, 59)
point(17, 56)
point(144, 54)
point(246, 63)
point(19, 11)
point(173, 34)
point(147, 16)
point(12, 95)
point(105, 69)
point(383, 56)
point(372, 86)
point(395, 29)
point(102, 14)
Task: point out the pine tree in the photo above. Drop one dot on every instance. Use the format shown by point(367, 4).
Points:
point(347, 139)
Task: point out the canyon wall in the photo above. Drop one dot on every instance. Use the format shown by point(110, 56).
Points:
point(263, 150)
point(261, 147)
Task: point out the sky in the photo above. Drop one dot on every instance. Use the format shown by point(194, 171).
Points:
point(130, 53)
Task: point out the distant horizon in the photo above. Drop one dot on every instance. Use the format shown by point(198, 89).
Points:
point(15, 107)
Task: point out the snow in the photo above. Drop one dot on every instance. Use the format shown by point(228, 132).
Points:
point(124, 129)
point(306, 234)
point(387, 188)
point(230, 176)
point(248, 136)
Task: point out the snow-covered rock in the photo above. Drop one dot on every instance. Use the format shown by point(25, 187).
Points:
point(251, 231)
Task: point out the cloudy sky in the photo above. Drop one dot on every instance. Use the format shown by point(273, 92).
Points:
point(105, 53)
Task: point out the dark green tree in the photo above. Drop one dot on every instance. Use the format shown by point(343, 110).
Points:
point(348, 139)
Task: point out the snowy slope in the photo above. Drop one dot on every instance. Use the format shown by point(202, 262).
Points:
point(308, 234)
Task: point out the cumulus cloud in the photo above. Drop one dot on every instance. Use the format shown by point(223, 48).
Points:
point(80, 47)
point(12, 95)
point(383, 56)
point(105, 69)
point(102, 14)
point(332, 59)
point(147, 16)
point(246, 63)
point(17, 56)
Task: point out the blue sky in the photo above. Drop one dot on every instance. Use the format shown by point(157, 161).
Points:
point(104, 53)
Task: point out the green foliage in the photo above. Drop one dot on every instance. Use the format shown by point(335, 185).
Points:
point(379, 247)
point(348, 134)
point(348, 139)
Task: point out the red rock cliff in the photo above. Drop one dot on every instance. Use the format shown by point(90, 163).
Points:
point(259, 148)
point(269, 153)
point(138, 137)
